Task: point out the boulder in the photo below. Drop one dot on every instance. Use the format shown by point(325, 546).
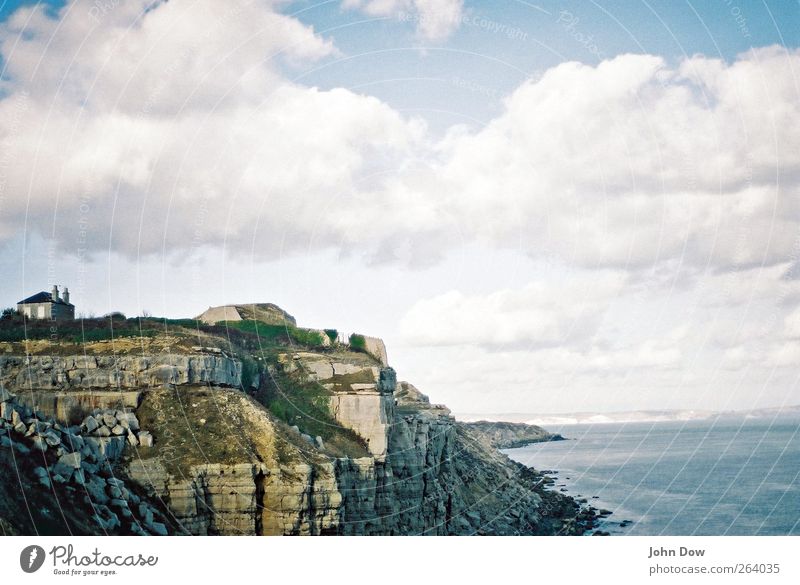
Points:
point(67, 464)
point(145, 439)
point(103, 431)
point(109, 419)
point(89, 467)
point(74, 441)
point(129, 421)
point(107, 447)
point(96, 489)
point(52, 438)
point(39, 443)
point(90, 424)
point(118, 430)
point(79, 477)
point(134, 442)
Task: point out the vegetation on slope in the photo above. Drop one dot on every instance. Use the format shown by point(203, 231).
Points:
point(257, 344)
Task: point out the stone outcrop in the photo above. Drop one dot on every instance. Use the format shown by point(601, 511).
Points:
point(63, 405)
point(265, 312)
point(362, 395)
point(79, 372)
point(369, 415)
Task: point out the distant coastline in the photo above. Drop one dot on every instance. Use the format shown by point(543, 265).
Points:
point(633, 416)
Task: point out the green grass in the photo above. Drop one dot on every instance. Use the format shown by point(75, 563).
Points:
point(306, 404)
point(78, 330)
point(277, 334)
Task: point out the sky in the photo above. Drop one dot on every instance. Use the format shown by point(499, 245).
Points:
point(541, 207)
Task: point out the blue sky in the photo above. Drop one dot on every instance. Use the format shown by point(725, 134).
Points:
point(382, 53)
point(568, 206)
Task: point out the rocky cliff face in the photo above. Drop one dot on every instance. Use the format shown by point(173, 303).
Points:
point(223, 463)
point(76, 372)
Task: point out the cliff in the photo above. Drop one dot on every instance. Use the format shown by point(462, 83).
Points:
point(263, 432)
point(508, 435)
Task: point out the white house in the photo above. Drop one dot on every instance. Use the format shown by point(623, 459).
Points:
point(47, 305)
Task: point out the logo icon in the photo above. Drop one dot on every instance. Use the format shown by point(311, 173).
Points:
point(31, 558)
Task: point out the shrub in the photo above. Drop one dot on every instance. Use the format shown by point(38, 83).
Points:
point(308, 337)
point(332, 334)
point(9, 313)
point(357, 342)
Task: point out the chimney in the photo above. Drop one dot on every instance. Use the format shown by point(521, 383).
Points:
point(66, 295)
point(54, 293)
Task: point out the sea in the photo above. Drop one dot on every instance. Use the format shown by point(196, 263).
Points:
point(726, 475)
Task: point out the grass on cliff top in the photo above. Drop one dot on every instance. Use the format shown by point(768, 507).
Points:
point(270, 334)
point(79, 331)
point(63, 337)
point(306, 405)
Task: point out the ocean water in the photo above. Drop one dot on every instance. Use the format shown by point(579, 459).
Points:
point(722, 476)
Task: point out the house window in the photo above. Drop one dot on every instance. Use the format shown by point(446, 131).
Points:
point(41, 311)
point(28, 312)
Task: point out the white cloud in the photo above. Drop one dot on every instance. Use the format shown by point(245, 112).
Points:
point(175, 127)
point(160, 117)
point(559, 312)
point(435, 19)
point(632, 162)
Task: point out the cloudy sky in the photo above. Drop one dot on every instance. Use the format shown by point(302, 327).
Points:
point(541, 207)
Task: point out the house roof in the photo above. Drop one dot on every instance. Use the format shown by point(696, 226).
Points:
point(41, 297)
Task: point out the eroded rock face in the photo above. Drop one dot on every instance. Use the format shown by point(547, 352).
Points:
point(369, 415)
point(434, 479)
point(57, 373)
point(214, 499)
